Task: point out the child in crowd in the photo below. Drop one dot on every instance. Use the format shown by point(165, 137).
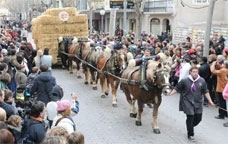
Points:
point(57, 131)
point(9, 98)
point(14, 126)
point(76, 138)
point(57, 94)
point(63, 117)
point(74, 105)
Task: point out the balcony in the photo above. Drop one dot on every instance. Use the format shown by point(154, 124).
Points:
point(159, 6)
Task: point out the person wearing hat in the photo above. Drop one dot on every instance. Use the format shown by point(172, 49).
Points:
point(57, 95)
point(225, 53)
point(63, 117)
point(191, 55)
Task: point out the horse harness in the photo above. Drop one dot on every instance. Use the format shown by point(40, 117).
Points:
point(137, 83)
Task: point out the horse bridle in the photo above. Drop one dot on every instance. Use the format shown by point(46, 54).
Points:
point(155, 77)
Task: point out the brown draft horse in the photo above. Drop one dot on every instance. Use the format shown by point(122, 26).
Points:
point(111, 65)
point(74, 51)
point(91, 65)
point(157, 76)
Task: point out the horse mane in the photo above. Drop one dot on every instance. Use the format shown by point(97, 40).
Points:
point(107, 52)
point(151, 68)
point(98, 50)
point(129, 56)
point(162, 57)
point(131, 64)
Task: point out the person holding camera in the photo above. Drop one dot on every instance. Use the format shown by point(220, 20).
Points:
point(220, 70)
point(33, 129)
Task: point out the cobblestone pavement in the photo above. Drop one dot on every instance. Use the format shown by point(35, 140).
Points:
point(103, 124)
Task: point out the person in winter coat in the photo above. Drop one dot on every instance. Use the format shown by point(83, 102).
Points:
point(14, 126)
point(205, 72)
point(10, 109)
point(57, 94)
point(33, 128)
point(63, 117)
point(43, 85)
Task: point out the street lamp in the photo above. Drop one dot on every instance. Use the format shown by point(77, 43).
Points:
point(102, 13)
point(125, 17)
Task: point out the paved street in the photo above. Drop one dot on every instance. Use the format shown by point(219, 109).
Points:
point(103, 124)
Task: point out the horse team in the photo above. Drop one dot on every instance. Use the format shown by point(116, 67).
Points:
point(110, 67)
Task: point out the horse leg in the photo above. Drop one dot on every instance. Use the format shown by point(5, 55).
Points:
point(86, 73)
point(133, 112)
point(70, 62)
point(93, 79)
point(114, 86)
point(63, 59)
point(155, 116)
point(107, 82)
point(138, 117)
point(78, 74)
point(103, 85)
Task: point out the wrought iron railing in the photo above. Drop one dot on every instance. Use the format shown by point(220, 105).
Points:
point(158, 6)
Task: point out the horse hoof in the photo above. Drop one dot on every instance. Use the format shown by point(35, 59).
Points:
point(138, 123)
point(86, 83)
point(157, 131)
point(132, 115)
point(71, 72)
point(106, 93)
point(103, 96)
point(94, 88)
point(79, 77)
point(114, 105)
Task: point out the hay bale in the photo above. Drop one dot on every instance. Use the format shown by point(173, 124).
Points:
point(55, 11)
point(47, 28)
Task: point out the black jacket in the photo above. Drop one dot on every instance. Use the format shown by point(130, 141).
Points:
point(204, 71)
point(43, 85)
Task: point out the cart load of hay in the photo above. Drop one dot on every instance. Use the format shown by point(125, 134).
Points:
point(55, 23)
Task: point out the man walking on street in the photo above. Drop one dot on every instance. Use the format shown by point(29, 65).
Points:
point(191, 91)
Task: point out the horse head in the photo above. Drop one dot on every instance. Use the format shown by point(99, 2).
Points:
point(117, 62)
point(61, 44)
point(159, 76)
point(64, 43)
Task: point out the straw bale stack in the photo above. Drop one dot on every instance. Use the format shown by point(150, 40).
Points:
point(48, 27)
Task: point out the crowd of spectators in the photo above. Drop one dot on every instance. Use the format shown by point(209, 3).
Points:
point(27, 90)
